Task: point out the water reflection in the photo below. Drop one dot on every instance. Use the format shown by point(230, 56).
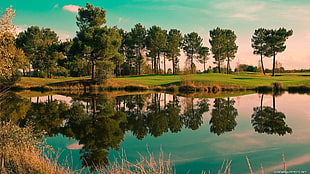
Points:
point(266, 119)
point(223, 116)
point(13, 107)
point(98, 130)
point(47, 116)
point(100, 122)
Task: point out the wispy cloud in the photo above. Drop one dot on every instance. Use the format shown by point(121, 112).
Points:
point(244, 16)
point(71, 8)
point(240, 9)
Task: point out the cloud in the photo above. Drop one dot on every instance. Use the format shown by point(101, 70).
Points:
point(120, 19)
point(75, 146)
point(244, 16)
point(71, 8)
point(19, 29)
point(240, 9)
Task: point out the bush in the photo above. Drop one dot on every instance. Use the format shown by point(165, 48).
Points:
point(21, 151)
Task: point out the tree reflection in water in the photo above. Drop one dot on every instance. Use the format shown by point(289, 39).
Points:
point(266, 119)
point(223, 116)
point(99, 123)
point(98, 132)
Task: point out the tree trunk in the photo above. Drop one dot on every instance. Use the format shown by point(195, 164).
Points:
point(173, 65)
point(219, 65)
point(158, 63)
point(273, 63)
point(274, 104)
point(228, 65)
point(94, 102)
point(204, 66)
point(93, 71)
point(139, 63)
point(164, 63)
point(262, 63)
point(152, 64)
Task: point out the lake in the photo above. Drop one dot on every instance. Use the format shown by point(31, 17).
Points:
point(198, 133)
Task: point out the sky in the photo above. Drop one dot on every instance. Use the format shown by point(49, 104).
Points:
point(201, 16)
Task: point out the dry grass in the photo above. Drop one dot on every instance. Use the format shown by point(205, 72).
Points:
point(146, 165)
point(21, 152)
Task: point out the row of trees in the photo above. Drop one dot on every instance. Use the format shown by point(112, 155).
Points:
point(100, 51)
point(269, 42)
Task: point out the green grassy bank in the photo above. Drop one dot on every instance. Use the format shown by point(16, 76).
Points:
point(199, 81)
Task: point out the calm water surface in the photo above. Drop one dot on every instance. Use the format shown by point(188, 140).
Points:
point(198, 133)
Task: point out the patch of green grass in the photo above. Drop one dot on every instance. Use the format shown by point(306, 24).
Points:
point(28, 82)
point(154, 80)
point(244, 80)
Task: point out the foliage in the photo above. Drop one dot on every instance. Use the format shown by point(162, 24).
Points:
point(21, 150)
point(174, 43)
point(203, 56)
point(266, 119)
point(259, 44)
point(13, 108)
point(216, 41)
point(223, 116)
point(275, 40)
point(11, 58)
point(223, 46)
point(90, 17)
point(156, 43)
point(249, 68)
point(93, 42)
point(41, 48)
point(270, 42)
point(192, 45)
point(137, 44)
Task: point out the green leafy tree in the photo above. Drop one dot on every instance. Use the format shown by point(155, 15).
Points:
point(223, 46)
point(156, 43)
point(259, 44)
point(138, 41)
point(174, 43)
point(275, 43)
point(96, 43)
point(90, 16)
point(230, 47)
point(41, 47)
point(216, 40)
point(191, 45)
point(11, 58)
point(203, 56)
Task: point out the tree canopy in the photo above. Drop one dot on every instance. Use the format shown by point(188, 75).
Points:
point(192, 45)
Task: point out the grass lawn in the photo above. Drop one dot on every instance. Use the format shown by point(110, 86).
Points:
point(246, 80)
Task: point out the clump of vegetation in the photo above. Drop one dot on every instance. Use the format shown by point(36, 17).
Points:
point(146, 165)
point(21, 151)
point(303, 89)
point(275, 87)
